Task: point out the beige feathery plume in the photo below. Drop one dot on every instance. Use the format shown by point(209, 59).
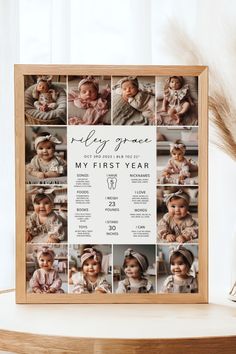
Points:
point(222, 115)
point(222, 110)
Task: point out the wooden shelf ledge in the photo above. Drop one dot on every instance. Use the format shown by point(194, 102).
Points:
point(25, 343)
point(103, 329)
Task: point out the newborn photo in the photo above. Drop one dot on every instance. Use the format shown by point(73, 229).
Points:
point(133, 100)
point(45, 99)
point(89, 100)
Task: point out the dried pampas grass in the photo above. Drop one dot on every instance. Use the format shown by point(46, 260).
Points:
point(223, 117)
point(222, 110)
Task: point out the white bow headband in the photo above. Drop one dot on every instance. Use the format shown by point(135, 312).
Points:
point(48, 192)
point(49, 137)
point(179, 146)
point(91, 252)
point(46, 251)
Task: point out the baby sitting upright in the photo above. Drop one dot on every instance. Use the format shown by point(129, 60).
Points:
point(45, 96)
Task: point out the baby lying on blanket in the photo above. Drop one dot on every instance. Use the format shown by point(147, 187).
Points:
point(141, 101)
point(88, 98)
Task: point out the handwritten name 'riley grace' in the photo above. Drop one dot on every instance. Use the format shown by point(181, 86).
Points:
point(132, 165)
point(100, 143)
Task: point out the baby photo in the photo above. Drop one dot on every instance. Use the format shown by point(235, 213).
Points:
point(46, 153)
point(46, 269)
point(177, 100)
point(134, 269)
point(45, 99)
point(133, 100)
point(89, 100)
point(177, 155)
point(177, 215)
point(90, 269)
point(46, 214)
point(177, 269)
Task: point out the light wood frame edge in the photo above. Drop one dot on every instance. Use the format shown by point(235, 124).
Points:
point(20, 185)
point(155, 70)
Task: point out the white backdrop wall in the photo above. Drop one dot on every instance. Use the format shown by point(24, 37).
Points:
point(120, 32)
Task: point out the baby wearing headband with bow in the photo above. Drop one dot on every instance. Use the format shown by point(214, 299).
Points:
point(177, 168)
point(90, 279)
point(181, 260)
point(89, 99)
point(44, 225)
point(45, 164)
point(45, 280)
point(177, 99)
point(177, 225)
point(135, 265)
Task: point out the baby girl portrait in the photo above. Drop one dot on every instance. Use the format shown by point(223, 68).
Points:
point(89, 100)
point(46, 214)
point(46, 269)
point(45, 99)
point(180, 274)
point(45, 155)
point(177, 98)
point(90, 269)
point(133, 100)
point(134, 269)
point(177, 223)
point(177, 156)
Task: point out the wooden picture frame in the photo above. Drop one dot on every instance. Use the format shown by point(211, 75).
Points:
point(137, 131)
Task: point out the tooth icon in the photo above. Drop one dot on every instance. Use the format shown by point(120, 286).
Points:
point(111, 182)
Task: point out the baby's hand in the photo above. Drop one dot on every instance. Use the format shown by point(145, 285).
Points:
point(166, 174)
point(170, 238)
point(45, 108)
point(39, 174)
point(181, 179)
point(100, 290)
point(50, 174)
point(37, 291)
point(52, 290)
point(181, 239)
point(53, 239)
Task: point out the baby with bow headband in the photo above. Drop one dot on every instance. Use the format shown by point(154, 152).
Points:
point(44, 224)
point(134, 266)
point(45, 164)
point(90, 104)
point(177, 225)
point(177, 168)
point(90, 279)
point(45, 279)
point(181, 281)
